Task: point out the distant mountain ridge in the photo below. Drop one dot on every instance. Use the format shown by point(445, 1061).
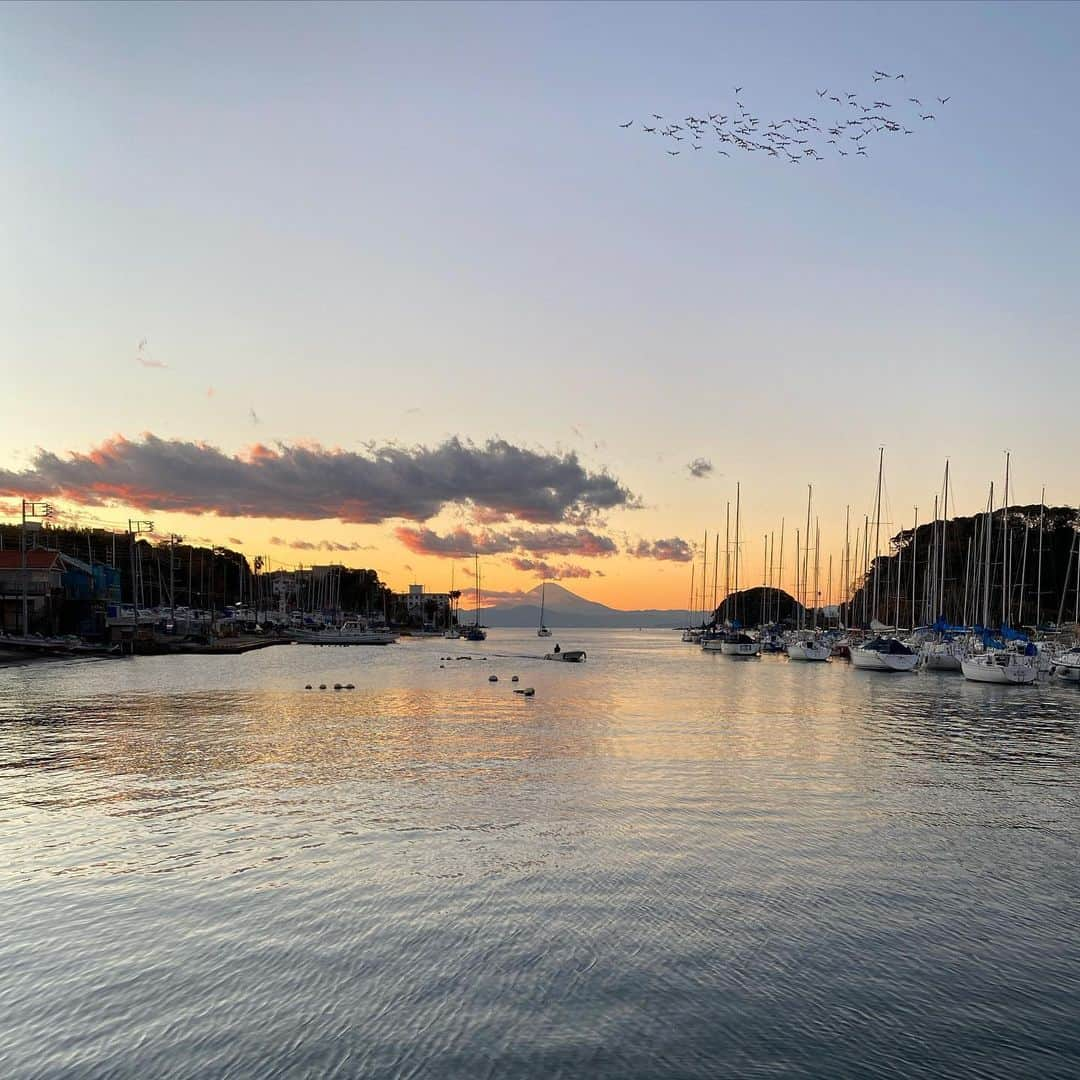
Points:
point(564, 608)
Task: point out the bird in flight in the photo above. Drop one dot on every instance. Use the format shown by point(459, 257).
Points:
point(822, 93)
point(928, 116)
point(738, 89)
point(944, 99)
point(674, 153)
point(630, 124)
point(254, 416)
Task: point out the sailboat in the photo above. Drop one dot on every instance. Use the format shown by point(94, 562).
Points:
point(808, 645)
point(542, 630)
point(476, 632)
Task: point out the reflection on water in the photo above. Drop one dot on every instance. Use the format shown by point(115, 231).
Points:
point(666, 862)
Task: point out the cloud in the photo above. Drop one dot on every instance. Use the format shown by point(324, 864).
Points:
point(700, 468)
point(581, 542)
point(320, 545)
point(673, 549)
point(550, 572)
point(310, 482)
point(234, 540)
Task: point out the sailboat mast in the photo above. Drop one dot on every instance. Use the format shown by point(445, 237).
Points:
point(986, 576)
point(780, 570)
point(806, 556)
point(1038, 582)
point(899, 576)
point(877, 527)
point(715, 571)
point(847, 563)
point(798, 584)
point(727, 558)
point(704, 575)
point(817, 567)
point(1005, 546)
point(914, 564)
point(737, 504)
point(944, 522)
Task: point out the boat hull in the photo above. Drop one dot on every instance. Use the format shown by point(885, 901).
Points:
point(871, 660)
point(740, 649)
point(808, 650)
point(990, 670)
point(568, 656)
point(1069, 669)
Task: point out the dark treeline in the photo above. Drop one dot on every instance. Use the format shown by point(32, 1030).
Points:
point(911, 589)
point(201, 577)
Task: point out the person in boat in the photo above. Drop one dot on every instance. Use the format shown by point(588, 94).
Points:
point(557, 649)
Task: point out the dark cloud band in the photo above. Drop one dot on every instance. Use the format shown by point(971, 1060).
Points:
point(312, 482)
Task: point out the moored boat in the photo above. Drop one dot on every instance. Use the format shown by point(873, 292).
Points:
point(567, 656)
point(1003, 666)
point(1067, 666)
point(349, 633)
point(808, 648)
point(884, 654)
point(740, 645)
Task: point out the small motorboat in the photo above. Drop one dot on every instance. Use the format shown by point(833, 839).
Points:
point(884, 654)
point(567, 656)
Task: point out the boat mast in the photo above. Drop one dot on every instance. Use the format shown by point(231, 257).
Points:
point(847, 556)
point(967, 577)
point(806, 556)
point(543, 589)
point(737, 503)
point(914, 564)
point(944, 522)
point(1038, 585)
point(986, 541)
point(899, 575)
point(716, 566)
point(877, 527)
point(1005, 606)
point(704, 574)
point(817, 568)
point(690, 599)
point(1023, 575)
point(866, 570)
point(727, 559)
point(780, 571)
point(772, 586)
point(765, 579)
point(798, 585)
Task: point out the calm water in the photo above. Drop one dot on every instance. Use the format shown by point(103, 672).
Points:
point(664, 864)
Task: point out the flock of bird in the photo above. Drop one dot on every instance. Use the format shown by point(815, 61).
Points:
point(800, 138)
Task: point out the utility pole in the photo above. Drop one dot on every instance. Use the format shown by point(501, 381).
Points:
point(29, 510)
point(134, 528)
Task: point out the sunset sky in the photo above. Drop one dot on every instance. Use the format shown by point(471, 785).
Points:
point(384, 284)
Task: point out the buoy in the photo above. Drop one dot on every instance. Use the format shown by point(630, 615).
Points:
point(513, 678)
point(493, 678)
point(442, 665)
point(308, 687)
point(349, 686)
point(337, 686)
point(528, 691)
point(322, 686)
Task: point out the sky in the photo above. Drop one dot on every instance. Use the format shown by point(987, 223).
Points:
point(387, 284)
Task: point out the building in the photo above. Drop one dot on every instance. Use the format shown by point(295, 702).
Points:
point(420, 608)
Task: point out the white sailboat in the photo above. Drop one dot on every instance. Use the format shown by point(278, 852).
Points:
point(1067, 666)
point(884, 654)
point(1003, 666)
point(809, 645)
point(542, 631)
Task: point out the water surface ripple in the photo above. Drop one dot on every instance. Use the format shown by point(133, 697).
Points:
point(666, 863)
